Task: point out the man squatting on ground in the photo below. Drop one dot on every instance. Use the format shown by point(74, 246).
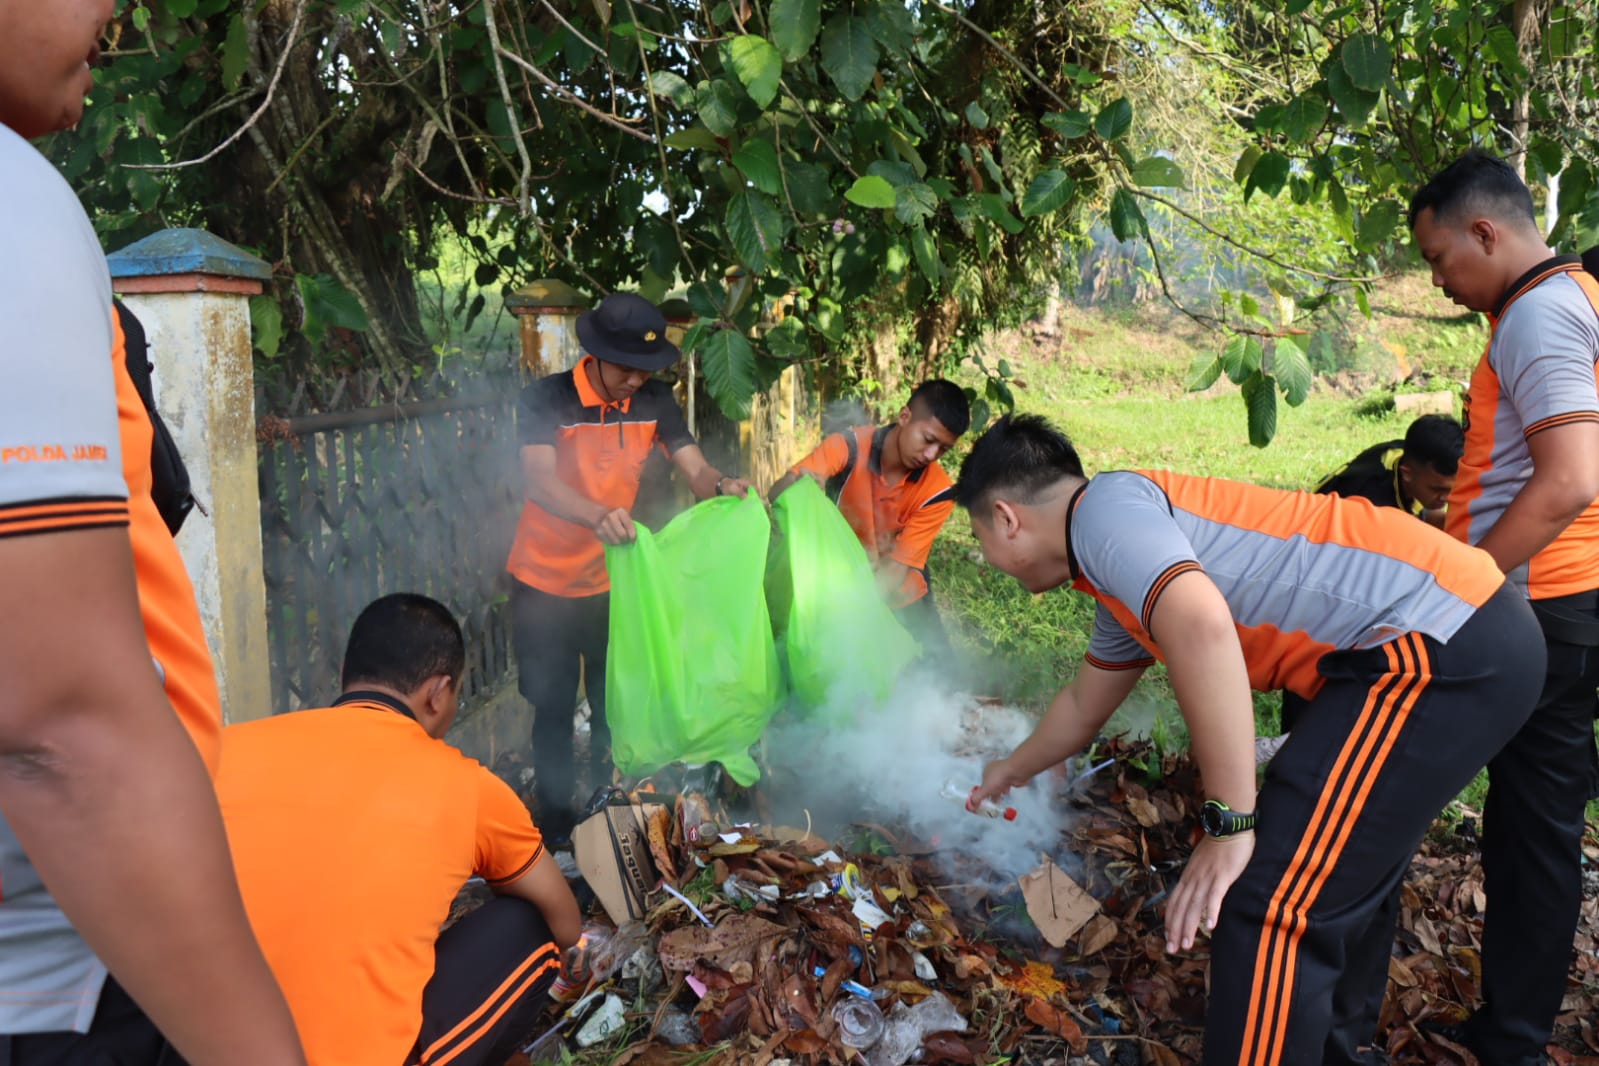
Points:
point(890, 488)
point(1526, 495)
point(1419, 660)
point(121, 925)
point(585, 435)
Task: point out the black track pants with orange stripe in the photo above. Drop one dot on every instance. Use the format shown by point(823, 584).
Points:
point(1396, 733)
point(492, 974)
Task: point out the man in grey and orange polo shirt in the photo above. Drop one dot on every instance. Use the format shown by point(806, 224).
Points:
point(1419, 661)
point(585, 434)
point(1526, 494)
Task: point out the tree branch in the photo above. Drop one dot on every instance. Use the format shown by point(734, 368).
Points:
point(524, 199)
point(1006, 52)
point(566, 94)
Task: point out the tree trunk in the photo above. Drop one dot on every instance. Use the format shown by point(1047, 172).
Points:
point(1527, 17)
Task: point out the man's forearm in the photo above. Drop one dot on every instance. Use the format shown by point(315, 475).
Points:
point(563, 501)
point(1061, 732)
point(127, 793)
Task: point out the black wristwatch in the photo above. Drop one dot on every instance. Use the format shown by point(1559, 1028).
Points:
point(1219, 820)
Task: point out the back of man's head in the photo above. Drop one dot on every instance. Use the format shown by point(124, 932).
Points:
point(1020, 458)
point(1436, 440)
point(945, 401)
point(1477, 185)
point(400, 641)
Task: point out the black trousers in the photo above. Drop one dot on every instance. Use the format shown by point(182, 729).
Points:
point(555, 636)
point(120, 1035)
point(492, 973)
point(1395, 733)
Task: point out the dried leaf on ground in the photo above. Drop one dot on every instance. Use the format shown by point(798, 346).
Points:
point(1057, 1022)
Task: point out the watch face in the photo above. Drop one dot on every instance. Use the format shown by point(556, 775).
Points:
point(1211, 819)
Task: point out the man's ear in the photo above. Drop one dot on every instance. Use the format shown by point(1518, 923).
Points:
point(905, 416)
point(1007, 519)
point(1485, 233)
point(439, 695)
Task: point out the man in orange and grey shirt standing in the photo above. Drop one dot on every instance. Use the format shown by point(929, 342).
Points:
point(889, 487)
point(1419, 661)
point(1526, 494)
point(585, 435)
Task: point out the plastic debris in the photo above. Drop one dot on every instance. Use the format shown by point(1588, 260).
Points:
point(906, 1028)
point(604, 1024)
point(860, 1022)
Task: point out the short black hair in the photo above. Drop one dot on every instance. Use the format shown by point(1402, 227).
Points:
point(400, 641)
point(945, 401)
point(1479, 182)
point(1436, 440)
point(1021, 455)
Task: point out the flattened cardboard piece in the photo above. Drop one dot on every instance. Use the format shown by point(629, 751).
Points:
point(1057, 904)
point(613, 855)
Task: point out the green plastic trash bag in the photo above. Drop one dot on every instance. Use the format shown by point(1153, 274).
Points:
point(692, 673)
point(844, 648)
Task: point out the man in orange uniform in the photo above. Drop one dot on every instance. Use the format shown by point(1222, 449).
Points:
point(585, 435)
point(889, 487)
point(1526, 494)
point(121, 927)
point(354, 826)
point(1419, 661)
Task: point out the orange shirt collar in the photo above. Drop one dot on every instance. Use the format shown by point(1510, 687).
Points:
point(587, 393)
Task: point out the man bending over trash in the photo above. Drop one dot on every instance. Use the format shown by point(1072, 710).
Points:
point(1419, 662)
point(889, 487)
point(354, 826)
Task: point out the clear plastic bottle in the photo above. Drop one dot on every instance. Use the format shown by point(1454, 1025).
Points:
point(860, 1022)
point(987, 808)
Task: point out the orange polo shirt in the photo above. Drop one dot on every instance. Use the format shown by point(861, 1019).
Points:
point(600, 450)
point(352, 831)
point(897, 522)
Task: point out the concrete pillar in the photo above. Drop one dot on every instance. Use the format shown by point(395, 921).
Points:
point(547, 312)
point(191, 291)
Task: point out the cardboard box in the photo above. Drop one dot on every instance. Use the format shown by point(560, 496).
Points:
point(613, 854)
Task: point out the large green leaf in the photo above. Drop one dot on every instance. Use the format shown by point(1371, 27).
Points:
point(673, 87)
point(808, 187)
point(693, 137)
point(1069, 124)
point(1377, 223)
point(1304, 117)
point(757, 161)
point(266, 324)
point(718, 107)
point(787, 340)
point(794, 25)
point(1368, 59)
point(758, 65)
point(728, 361)
point(756, 228)
point(849, 54)
point(995, 208)
point(1241, 357)
point(1126, 219)
point(1269, 175)
point(1114, 119)
point(1247, 160)
point(926, 250)
point(1354, 103)
point(871, 191)
point(1290, 365)
point(235, 54)
point(1158, 171)
point(1203, 373)
point(1049, 191)
point(1260, 398)
point(914, 203)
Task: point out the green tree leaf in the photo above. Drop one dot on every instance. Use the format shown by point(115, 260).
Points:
point(1290, 365)
point(728, 361)
point(757, 161)
point(809, 188)
point(1203, 373)
point(1158, 172)
point(1377, 223)
point(1368, 60)
point(1049, 191)
point(871, 191)
point(756, 228)
point(1114, 119)
point(914, 203)
point(1500, 42)
point(1354, 103)
point(694, 137)
point(1126, 219)
point(1069, 124)
point(1247, 159)
point(1269, 175)
point(1241, 357)
point(673, 87)
point(235, 56)
point(849, 54)
point(995, 207)
point(795, 24)
point(758, 65)
point(787, 340)
point(266, 324)
point(976, 116)
point(926, 250)
point(718, 107)
point(1304, 117)
point(1260, 398)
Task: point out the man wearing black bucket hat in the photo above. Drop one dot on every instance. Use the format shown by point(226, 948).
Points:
point(585, 435)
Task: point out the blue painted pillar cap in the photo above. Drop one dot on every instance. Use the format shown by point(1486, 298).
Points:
point(186, 251)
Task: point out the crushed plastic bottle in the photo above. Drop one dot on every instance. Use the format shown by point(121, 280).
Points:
point(987, 808)
point(600, 951)
point(906, 1028)
point(860, 1022)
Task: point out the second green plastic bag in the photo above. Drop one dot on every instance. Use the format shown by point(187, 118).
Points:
point(692, 673)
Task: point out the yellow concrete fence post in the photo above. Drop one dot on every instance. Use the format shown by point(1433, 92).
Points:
point(192, 292)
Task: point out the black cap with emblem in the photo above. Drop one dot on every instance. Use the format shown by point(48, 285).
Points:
point(628, 330)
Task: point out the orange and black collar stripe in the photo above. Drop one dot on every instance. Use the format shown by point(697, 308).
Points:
point(1560, 264)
